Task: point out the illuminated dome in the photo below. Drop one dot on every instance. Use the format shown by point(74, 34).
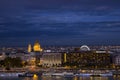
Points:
point(36, 46)
point(84, 48)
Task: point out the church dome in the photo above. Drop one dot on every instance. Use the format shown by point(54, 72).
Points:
point(37, 46)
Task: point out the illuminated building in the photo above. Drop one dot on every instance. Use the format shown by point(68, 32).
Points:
point(37, 50)
point(51, 59)
point(2, 56)
point(29, 48)
point(88, 59)
point(37, 47)
point(117, 60)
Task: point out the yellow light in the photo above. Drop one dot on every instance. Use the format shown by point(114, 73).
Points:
point(37, 46)
point(83, 71)
point(76, 78)
point(29, 48)
point(35, 77)
point(65, 60)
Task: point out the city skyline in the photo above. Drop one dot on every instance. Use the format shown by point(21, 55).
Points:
point(73, 22)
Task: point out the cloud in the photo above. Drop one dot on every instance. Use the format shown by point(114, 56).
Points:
point(60, 21)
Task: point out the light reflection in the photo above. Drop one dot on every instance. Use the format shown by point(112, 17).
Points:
point(35, 77)
point(69, 78)
point(98, 78)
point(91, 78)
point(116, 77)
point(26, 78)
point(75, 78)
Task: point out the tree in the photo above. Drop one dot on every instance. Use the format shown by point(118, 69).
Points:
point(12, 62)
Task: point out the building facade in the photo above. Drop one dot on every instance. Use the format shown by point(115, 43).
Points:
point(37, 50)
point(51, 59)
point(88, 59)
point(2, 56)
point(117, 60)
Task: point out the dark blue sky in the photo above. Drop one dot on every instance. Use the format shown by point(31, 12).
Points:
point(59, 22)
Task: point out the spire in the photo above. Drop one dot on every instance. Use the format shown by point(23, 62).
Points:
point(29, 48)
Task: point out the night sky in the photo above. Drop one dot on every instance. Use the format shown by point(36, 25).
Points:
point(59, 22)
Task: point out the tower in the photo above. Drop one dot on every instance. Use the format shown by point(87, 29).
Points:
point(37, 47)
point(38, 52)
point(29, 48)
